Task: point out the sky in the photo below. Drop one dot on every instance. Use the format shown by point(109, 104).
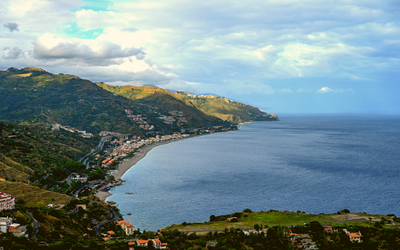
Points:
point(282, 56)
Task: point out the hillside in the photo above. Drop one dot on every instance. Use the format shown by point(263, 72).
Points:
point(163, 101)
point(226, 109)
point(31, 95)
point(31, 195)
point(27, 148)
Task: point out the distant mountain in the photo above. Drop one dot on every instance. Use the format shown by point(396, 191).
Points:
point(226, 109)
point(197, 105)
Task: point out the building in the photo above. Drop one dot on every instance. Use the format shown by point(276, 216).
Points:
point(354, 237)
point(7, 202)
point(76, 177)
point(126, 226)
point(5, 223)
point(142, 243)
point(17, 229)
point(328, 229)
point(158, 244)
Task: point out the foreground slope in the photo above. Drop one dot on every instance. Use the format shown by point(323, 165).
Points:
point(33, 196)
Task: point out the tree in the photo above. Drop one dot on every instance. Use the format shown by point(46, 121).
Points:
point(316, 227)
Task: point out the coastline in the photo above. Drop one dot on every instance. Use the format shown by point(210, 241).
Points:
point(129, 163)
point(139, 155)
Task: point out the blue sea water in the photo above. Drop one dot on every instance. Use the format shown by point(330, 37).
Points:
point(312, 163)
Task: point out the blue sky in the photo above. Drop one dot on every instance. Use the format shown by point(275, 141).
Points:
point(283, 56)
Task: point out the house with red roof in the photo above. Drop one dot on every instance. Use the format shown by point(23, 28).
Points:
point(126, 226)
point(142, 243)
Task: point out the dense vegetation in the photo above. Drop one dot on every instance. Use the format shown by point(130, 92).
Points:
point(40, 148)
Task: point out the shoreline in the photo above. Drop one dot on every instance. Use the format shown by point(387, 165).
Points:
point(130, 162)
point(140, 154)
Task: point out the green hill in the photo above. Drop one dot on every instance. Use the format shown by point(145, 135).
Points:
point(163, 101)
point(31, 95)
point(226, 109)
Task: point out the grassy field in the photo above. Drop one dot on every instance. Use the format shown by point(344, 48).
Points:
point(33, 196)
point(7, 161)
point(12, 173)
point(273, 218)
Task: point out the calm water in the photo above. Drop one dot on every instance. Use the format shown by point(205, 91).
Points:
point(312, 163)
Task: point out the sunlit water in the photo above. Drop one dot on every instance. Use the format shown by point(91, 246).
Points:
point(312, 163)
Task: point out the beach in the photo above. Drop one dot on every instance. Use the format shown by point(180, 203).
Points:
point(128, 163)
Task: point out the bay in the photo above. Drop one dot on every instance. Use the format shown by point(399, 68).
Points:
point(312, 163)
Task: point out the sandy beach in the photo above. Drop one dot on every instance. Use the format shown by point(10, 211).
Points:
point(128, 163)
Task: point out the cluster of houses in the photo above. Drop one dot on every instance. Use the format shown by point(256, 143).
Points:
point(7, 202)
point(130, 115)
point(105, 133)
point(129, 230)
point(302, 241)
point(139, 119)
point(253, 231)
point(175, 115)
point(157, 244)
point(127, 146)
point(82, 133)
point(7, 225)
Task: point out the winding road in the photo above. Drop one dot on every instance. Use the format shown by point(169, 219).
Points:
point(115, 217)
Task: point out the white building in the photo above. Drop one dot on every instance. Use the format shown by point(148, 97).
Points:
point(7, 202)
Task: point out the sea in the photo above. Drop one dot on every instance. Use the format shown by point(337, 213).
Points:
point(313, 163)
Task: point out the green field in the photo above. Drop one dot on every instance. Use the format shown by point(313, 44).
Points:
point(275, 218)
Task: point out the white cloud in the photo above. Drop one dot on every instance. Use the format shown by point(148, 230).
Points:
point(286, 91)
point(13, 53)
point(300, 90)
point(329, 90)
point(324, 90)
point(91, 52)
